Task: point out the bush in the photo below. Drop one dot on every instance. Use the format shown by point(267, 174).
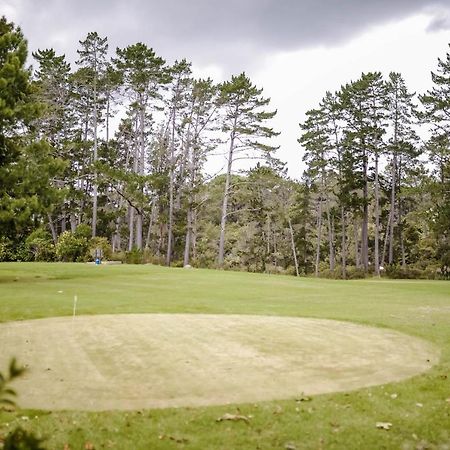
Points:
point(40, 246)
point(355, 273)
point(135, 256)
point(118, 256)
point(23, 253)
point(83, 231)
point(6, 250)
point(71, 248)
point(412, 273)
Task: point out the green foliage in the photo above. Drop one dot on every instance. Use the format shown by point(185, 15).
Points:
point(6, 249)
point(40, 245)
point(82, 231)
point(134, 256)
point(71, 248)
point(410, 272)
point(8, 394)
point(102, 244)
point(20, 439)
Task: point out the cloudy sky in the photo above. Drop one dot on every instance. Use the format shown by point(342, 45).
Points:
point(295, 49)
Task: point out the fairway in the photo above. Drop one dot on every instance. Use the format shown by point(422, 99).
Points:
point(147, 339)
point(139, 361)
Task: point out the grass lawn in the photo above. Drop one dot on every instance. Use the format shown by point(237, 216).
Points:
point(418, 408)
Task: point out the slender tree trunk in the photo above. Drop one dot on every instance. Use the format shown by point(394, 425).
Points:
point(141, 171)
point(319, 237)
point(194, 234)
point(52, 228)
point(226, 193)
point(356, 237)
point(386, 239)
point(377, 220)
point(330, 234)
point(343, 244)
point(294, 252)
point(95, 186)
point(171, 194)
point(73, 222)
point(365, 221)
point(392, 208)
point(63, 220)
point(150, 225)
point(187, 245)
point(131, 229)
point(400, 215)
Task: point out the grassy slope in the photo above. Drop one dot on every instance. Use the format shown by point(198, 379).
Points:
point(420, 308)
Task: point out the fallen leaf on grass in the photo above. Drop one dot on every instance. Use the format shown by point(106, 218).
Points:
point(290, 446)
point(89, 446)
point(234, 417)
point(173, 438)
point(384, 425)
point(66, 447)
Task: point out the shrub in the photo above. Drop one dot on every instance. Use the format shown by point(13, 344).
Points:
point(83, 231)
point(355, 273)
point(6, 250)
point(134, 256)
point(40, 246)
point(71, 248)
point(407, 273)
point(118, 256)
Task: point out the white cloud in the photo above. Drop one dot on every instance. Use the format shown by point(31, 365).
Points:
point(297, 81)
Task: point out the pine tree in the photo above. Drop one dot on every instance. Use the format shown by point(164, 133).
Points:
point(243, 119)
point(144, 75)
point(92, 57)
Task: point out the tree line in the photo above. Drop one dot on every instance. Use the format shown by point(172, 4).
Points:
point(111, 154)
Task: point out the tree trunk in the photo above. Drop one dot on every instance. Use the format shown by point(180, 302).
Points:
point(377, 220)
point(131, 229)
point(365, 221)
point(294, 253)
point(187, 245)
point(392, 208)
point(319, 237)
point(343, 245)
point(386, 239)
point(95, 187)
point(356, 237)
point(52, 228)
point(171, 194)
point(150, 225)
point(226, 192)
point(140, 170)
point(330, 235)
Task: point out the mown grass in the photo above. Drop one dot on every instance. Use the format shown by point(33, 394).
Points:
point(419, 408)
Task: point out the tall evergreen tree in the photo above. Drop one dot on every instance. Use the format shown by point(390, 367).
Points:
point(243, 120)
point(92, 57)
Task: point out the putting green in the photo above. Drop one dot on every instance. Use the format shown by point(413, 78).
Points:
point(138, 361)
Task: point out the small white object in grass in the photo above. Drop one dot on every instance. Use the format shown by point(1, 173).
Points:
point(384, 425)
point(419, 405)
point(60, 292)
point(394, 396)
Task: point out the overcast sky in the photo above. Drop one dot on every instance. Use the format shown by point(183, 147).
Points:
point(294, 49)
